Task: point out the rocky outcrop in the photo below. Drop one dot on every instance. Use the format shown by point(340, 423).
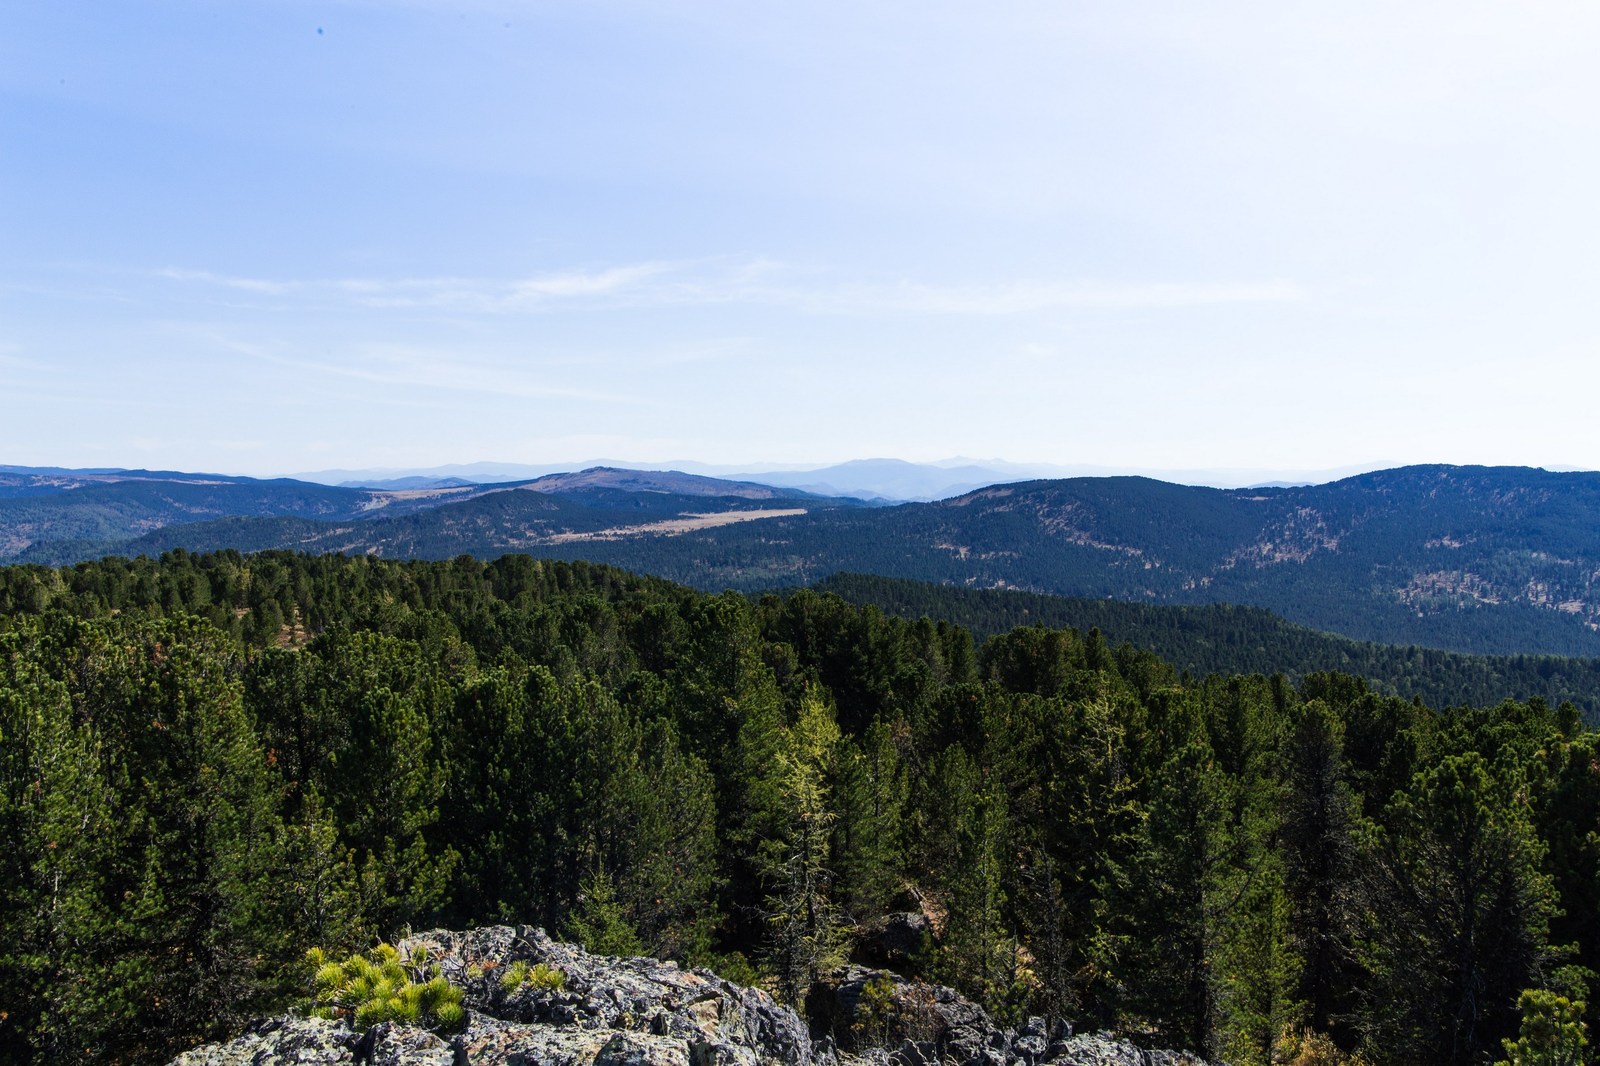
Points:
point(643, 1012)
point(882, 1018)
point(859, 1007)
point(288, 1039)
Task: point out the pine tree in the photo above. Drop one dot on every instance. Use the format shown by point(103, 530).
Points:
point(1461, 915)
point(672, 883)
point(1321, 875)
point(1092, 828)
point(869, 854)
point(1182, 886)
point(598, 921)
point(386, 778)
point(183, 951)
point(54, 822)
point(980, 949)
point(804, 930)
point(1553, 1033)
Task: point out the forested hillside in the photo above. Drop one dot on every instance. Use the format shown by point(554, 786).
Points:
point(63, 517)
point(1482, 560)
point(1223, 638)
point(210, 764)
point(1472, 559)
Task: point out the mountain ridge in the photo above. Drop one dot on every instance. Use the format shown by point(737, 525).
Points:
point(1466, 558)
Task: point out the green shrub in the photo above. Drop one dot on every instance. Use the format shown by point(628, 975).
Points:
point(1552, 1031)
point(381, 987)
point(520, 975)
point(874, 1012)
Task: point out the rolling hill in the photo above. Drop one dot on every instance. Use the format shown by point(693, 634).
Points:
point(67, 518)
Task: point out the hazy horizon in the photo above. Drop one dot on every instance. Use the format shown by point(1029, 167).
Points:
point(874, 473)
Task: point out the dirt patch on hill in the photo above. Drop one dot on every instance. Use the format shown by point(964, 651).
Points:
point(687, 523)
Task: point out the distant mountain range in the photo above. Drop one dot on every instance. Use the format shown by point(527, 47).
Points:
point(61, 517)
point(1473, 559)
point(1476, 559)
point(881, 479)
point(886, 479)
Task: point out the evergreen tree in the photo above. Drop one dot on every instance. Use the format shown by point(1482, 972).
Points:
point(1553, 1033)
point(872, 793)
point(1183, 881)
point(1321, 865)
point(504, 794)
point(672, 885)
point(801, 914)
point(1256, 968)
point(598, 921)
point(1567, 818)
point(54, 820)
point(184, 951)
point(1093, 825)
point(980, 950)
point(1461, 914)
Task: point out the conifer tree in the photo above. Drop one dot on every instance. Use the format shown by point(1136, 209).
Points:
point(672, 884)
point(1182, 882)
point(1553, 1033)
point(804, 930)
point(184, 951)
point(980, 949)
point(1461, 914)
point(54, 818)
point(1567, 818)
point(1091, 832)
point(1321, 864)
point(598, 921)
point(502, 794)
point(869, 855)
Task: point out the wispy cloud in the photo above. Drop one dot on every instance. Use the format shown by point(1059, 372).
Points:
point(424, 368)
point(748, 281)
point(206, 277)
point(1023, 297)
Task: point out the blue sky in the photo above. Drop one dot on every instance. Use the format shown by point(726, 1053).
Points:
point(263, 237)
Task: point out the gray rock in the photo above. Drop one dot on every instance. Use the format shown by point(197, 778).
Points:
point(490, 1042)
point(1032, 1043)
point(643, 1012)
point(640, 1049)
point(914, 1053)
point(709, 1054)
point(604, 993)
point(917, 1012)
point(281, 1041)
point(1104, 1049)
point(404, 1045)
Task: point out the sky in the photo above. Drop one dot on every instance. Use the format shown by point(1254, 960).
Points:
point(267, 236)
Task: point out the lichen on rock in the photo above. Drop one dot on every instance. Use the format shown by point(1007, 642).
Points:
point(605, 1011)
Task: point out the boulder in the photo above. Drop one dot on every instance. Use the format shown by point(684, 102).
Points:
point(895, 1010)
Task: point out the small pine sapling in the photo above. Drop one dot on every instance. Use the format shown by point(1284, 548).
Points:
point(520, 975)
point(381, 987)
